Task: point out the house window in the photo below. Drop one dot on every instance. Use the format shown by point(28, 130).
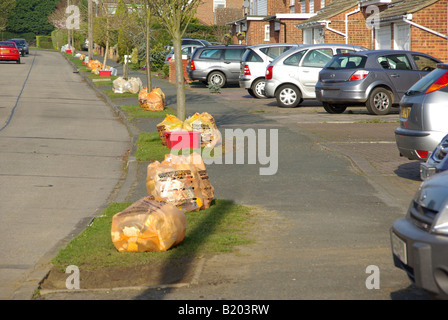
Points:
point(302, 6)
point(219, 4)
point(292, 8)
point(322, 4)
point(402, 36)
point(267, 32)
point(312, 6)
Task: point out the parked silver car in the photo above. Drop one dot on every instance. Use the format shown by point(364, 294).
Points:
point(377, 79)
point(420, 240)
point(254, 63)
point(437, 161)
point(292, 76)
point(423, 114)
point(216, 65)
point(186, 52)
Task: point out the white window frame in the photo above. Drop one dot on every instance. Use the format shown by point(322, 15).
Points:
point(216, 3)
point(311, 6)
point(322, 4)
point(267, 32)
point(302, 6)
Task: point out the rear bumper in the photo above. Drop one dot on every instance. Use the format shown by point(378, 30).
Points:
point(340, 95)
point(409, 141)
point(245, 83)
point(11, 57)
point(197, 75)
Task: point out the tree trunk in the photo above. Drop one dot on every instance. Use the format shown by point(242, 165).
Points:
point(90, 26)
point(148, 54)
point(105, 54)
point(180, 81)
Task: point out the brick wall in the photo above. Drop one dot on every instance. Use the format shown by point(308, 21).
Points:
point(205, 12)
point(433, 17)
point(278, 6)
point(172, 75)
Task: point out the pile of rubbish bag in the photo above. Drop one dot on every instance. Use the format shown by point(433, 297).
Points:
point(204, 123)
point(66, 48)
point(157, 222)
point(151, 101)
point(132, 85)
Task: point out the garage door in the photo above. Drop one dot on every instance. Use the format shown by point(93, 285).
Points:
point(383, 38)
point(402, 36)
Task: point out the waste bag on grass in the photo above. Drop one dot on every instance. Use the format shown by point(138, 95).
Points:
point(151, 101)
point(132, 85)
point(170, 123)
point(149, 224)
point(206, 125)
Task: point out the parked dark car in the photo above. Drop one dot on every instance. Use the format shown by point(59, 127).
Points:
point(22, 45)
point(420, 240)
point(216, 65)
point(437, 161)
point(377, 79)
point(423, 115)
point(9, 51)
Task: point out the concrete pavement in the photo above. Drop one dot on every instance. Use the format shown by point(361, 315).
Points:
point(62, 153)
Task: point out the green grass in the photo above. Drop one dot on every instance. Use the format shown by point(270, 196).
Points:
point(150, 147)
point(217, 229)
point(135, 111)
point(114, 95)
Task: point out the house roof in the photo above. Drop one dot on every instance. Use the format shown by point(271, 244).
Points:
point(334, 8)
point(403, 7)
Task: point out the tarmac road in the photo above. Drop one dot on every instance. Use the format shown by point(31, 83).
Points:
point(61, 158)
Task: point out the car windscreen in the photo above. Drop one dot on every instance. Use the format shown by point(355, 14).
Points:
point(7, 44)
point(346, 62)
point(424, 83)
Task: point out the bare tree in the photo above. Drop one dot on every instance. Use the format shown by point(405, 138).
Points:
point(175, 15)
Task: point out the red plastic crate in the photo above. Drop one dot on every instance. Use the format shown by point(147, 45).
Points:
point(183, 140)
point(105, 73)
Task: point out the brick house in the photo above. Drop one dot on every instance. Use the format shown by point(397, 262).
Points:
point(418, 25)
point(207, 11)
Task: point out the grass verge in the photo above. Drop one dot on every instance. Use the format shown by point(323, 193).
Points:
point(135, 111)
point(217, 229)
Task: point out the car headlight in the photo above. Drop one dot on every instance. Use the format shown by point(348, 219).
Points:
point(440, 223)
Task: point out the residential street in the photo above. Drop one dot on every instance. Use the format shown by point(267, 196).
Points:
point(324, 216)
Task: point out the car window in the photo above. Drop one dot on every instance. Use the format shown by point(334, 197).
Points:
point(317, 58)
point(187, 42)
point(185, 51)
point(211, 54)
point(395, 62)
point(347, 62)
point(294, 59)
point(233, 54)
point(424, 63)
point(251, 56)
point(274, 52)
point(339, 51)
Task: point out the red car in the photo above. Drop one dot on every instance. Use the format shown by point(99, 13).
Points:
point(9, 51)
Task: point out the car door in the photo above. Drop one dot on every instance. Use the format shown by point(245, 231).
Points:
point(312, 63)
point(400, 72)
point(232, 62)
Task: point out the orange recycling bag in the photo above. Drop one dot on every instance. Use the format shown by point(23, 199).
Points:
point(151, 101)
point(149, 224)
point(170, 123)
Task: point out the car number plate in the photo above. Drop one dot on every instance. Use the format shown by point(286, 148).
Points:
point(399, 248)
point(4, 51)
point(404, 112)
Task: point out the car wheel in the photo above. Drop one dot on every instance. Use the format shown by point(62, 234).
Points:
point(216, 78)
point(379, 102)
point(251, 92)
point(333, 108)
point(258, 88)
point(288, 96)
